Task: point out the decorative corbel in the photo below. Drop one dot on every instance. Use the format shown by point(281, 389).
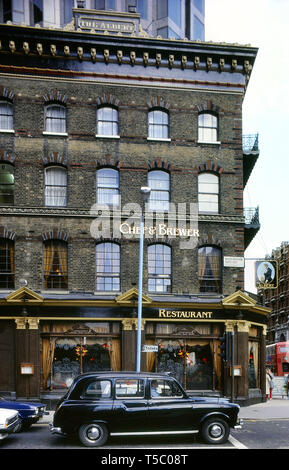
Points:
point(53, 49)
point(184, 61)
point(66, 51)
point(158, 60)
point(234, 64)
point(26, 47)
point(196, 63)
point(106, 55)
point(119, 55)
point(93, 54)
point(171, 60)
point(80, 53)
point(12, 46)
point(145, 58)
point(132, 57)
point(209, 63)
point(221, 64)
point(39, 48)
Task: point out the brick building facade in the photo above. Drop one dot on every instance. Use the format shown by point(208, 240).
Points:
point(89, 119)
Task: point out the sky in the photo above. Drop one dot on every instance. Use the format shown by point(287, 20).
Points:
point(263, 24)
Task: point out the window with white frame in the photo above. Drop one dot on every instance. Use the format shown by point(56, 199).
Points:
point(107, 121)
point(107, 267)
point(107, 186)
point(208, 128)
point(208, 193)
point(159, 268)
point(6, 115)
point(55, 119)
point(55, 264)
point(159, 182)
point(55, 186)
point(158, 124)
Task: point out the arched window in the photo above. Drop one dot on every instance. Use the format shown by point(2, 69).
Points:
point(107, 186)
point(6, 184)
point(7, 268)
point(107, 121)
point(6, 115)
point(55, 118)
point(55, 265)
point(159, 268)
point(107, 260)
point(55, 186)
point(208, 127)
point(159, 182)
point(208, 193)
point(209, 269)
point(158, 124)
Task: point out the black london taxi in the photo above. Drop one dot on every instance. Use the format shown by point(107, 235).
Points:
point(103, 404)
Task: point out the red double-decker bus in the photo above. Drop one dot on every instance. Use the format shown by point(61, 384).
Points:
point(277, 358)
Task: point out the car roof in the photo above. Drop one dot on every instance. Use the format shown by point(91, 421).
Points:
point(113, 374)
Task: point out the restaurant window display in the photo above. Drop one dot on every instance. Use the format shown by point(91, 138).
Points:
point(193, 361)
point(69, 350)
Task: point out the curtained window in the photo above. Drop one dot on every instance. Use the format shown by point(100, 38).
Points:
point(158, 124)
point(55, 265)
point(159, 268)
point(6, 115)
point(107, 121)
point(6, 184)
point(55, 118)
point(55, 186)
point(159, 182)
point(208, 127)
point(107, 267)
point(209, 269)
point(7, 268)
point(208, 193)
point(107, 186)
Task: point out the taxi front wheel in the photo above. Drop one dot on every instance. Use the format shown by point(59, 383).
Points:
point(215, 431)
point(93, 434)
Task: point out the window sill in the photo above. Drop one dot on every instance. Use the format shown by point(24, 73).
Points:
point(107, 292)
point(7, 131)
point(159, 139)
point(57, 134)
point(101, 136)
point(55, 291)
point(217, 142)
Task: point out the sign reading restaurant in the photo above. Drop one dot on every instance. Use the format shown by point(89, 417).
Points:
point(188, 314)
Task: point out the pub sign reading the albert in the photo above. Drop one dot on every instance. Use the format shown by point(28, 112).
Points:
point(266, 274)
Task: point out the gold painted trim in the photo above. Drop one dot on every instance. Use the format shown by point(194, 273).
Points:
point(24, 295)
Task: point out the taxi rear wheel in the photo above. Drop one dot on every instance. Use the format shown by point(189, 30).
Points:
point(215, 431)
point(93, 434)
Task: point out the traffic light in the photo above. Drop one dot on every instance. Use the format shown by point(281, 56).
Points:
point(224, 347)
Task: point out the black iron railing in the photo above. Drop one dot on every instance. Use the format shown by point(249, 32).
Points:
point(250, 142)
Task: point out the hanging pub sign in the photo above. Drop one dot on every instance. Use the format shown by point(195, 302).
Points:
point(266, 274)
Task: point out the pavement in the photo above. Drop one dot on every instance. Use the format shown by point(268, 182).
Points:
point(277, 408)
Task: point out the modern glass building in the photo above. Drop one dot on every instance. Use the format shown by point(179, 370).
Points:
point(165, 18)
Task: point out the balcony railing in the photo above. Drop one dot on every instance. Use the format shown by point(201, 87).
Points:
point(251, 215)
point(250, 142)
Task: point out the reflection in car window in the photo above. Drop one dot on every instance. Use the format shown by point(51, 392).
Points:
point(129, 389)
point(98, 389)
point(165, 388)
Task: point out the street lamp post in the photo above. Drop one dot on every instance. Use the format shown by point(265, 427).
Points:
point(145, 192)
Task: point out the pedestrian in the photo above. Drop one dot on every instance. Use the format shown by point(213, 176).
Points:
point(269, 384)
point(286, 384)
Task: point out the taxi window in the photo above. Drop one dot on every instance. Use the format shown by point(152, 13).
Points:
point(165, 388)
point(129, 388)
point(97, 389)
